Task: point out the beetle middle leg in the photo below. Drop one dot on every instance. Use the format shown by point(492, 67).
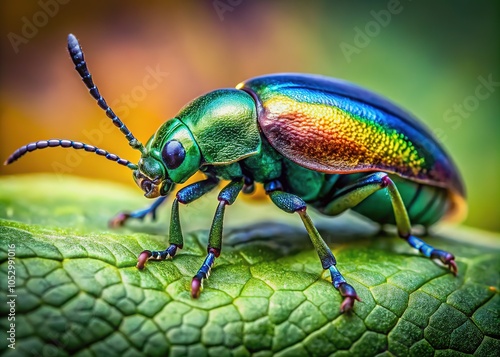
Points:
point(293, 204)
point(227, 196)
point(185, 195)
point(356, 192)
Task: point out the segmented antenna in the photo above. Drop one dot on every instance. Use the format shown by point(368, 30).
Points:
point(76, 53)
point(42, 144)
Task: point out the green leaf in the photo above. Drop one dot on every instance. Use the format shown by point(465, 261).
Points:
point(77, 291)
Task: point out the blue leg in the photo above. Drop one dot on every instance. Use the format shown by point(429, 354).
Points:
point(185, 195)
point(122, 217)
point(294, 204)
point(227, 196)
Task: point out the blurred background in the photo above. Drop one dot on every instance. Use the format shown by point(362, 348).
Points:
point(439, 60)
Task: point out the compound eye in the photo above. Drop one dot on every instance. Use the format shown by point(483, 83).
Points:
point(173, 154)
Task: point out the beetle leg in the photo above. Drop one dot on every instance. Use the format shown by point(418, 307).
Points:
point(249, 185)
point(351, 195)
point(293, 204)
point(404, 228)
point(185, 195)
point(227, 196)
point(122, 217)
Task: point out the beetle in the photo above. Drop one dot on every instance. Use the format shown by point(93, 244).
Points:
point(310, 140)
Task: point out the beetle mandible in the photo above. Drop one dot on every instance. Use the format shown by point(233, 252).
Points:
point(310, 140)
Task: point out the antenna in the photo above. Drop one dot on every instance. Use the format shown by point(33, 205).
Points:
point(43, 144)
point(76, 53)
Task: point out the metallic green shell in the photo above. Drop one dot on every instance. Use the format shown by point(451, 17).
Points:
point(224, 125)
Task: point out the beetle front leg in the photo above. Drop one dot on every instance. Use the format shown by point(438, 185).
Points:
point(227, 196)
point(122, 217)
point(353, 194)
point(186, 195)
point(293, 204)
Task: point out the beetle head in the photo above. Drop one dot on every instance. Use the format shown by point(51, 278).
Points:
point(171, 156)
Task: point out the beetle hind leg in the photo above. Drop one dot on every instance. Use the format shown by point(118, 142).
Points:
point(293, 204)
point(353, 194)
point(404, 227)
